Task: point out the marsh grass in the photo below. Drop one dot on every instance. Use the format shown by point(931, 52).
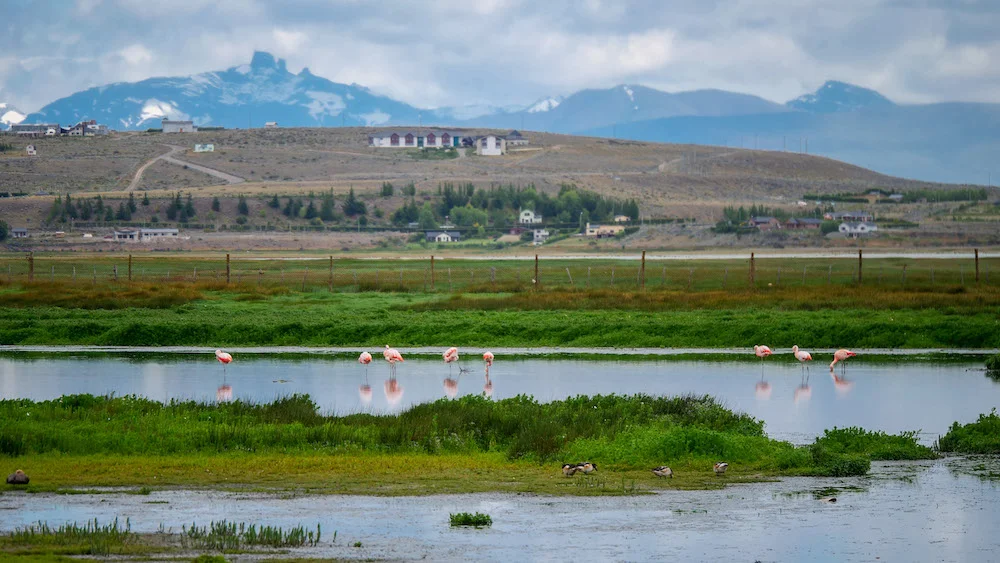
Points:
point(91, 538)
point(230, 536)
point(477, 520)
point(979, 437)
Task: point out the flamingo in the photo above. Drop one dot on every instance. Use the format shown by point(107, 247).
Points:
point(224, 358)
point(841, 356)
point(364, 359)
point(392, 356)
point(761, 352)
point(801, 355)
point(365, 390)
point(488, 358)
point(450, 355)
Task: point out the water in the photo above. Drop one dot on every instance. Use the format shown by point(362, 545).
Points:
point(926, 511)
point(890, 397)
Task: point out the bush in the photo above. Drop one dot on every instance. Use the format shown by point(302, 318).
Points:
point(828, 227)
point(980, 437)
point(992, 363)
point(4, 229)
point(478, 519)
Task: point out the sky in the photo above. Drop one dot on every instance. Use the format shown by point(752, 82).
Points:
point(513, 52)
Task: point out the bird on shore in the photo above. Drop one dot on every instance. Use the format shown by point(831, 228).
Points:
point(450, 355)
point(663, 471)
point(392, 356)
point(224, 358)
point(586, 467)
point(720, 468)
point(17, 478)
point(802, 356)
point(569, 469)
point(841, 355)
point(761, 352)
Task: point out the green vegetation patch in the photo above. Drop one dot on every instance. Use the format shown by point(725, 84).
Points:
point(478, 520)
point(979, 437)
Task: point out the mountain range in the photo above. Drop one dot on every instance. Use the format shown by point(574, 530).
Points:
point(10, 115)
point(948, 142)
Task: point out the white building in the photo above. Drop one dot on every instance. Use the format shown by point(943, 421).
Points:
point(126, 235)
point(144, 235)
point(604, 231)
point(528, 217)
point(539, 235)
point(491, 145)
point(515, 138)
point(204, 148)
point(622, 218)
point(19, 232)
point(856, 229)
point(436, 139)
point(178, 126)
point(443, 236)
point(271, 125)
point(30, 149)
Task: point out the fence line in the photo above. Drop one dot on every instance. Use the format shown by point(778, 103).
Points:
point(462, 275)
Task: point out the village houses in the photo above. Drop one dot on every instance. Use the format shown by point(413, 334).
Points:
point(443, 236)
point(604, 231)
point(436, 139)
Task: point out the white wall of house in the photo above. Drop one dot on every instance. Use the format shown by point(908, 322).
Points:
point(490, 145)
point(178, 127)
point(528, 217)
point(384, 140)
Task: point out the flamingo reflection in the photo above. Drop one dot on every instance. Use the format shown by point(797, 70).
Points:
point(393, 391)
point(365, 393)
point(450, 387)
point(224, 393)
point(841, 383)
point(803, 392)
point(763, 389)
point(488, 386)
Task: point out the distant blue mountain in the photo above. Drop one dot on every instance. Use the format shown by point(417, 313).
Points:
point(240, 96)
point(949, 142)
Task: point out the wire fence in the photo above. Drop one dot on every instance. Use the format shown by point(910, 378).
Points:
point(455, 275)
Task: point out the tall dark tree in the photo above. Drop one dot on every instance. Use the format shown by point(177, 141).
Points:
point(242, 206)
point(145, 199)
point(216, 205)
point(353, 206)
point(131, 203)
point(189, 207)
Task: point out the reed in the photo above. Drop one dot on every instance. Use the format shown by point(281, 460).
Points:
point(979, 437)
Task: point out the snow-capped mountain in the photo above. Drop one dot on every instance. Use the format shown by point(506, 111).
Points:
point(836, 97)
point(545, 104)
point(9, 115)
point(471, 111)
point(241, 96)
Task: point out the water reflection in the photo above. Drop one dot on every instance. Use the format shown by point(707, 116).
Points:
point(451, 387)
point(763, 389)
point(803, 392)
point(393, 391)
point(488, 386)
point(224, 393)
point(841, 384)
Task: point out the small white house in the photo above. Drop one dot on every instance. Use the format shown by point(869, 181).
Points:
point(622, 218)
point(491, 145)
point(528, 217)
point(19, 232)
point(433, 139)
point(151, 235)
point(271, 125)
point(204, 148)
point(539, 235)
point(126, 235)
point(173, 126)
point(856, 229)
point(515, 138)
point(443, 236)
point(30, 149)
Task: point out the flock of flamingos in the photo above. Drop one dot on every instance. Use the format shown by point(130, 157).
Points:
point(394, 392)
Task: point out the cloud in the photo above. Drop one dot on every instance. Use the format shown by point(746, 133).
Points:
point(501, 52)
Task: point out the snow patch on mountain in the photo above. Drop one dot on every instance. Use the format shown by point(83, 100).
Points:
point(324, 103)
point(545, 104)
point(10, 116)
point(375, 118)
point(630, 93)
point(154, 109)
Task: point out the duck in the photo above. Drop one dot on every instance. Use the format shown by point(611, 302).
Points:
point(663, 471)
point(720, 468)
point(586, 467)
point(568, 469)
point(17, 478)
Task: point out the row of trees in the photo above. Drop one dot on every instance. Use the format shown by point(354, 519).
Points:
point(92, 209)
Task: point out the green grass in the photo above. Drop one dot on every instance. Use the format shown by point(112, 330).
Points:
point(92, 538)
point(478, 520)
point(465, 445)
point(230, 536)
point(980, 437)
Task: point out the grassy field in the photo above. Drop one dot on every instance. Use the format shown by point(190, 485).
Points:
point(468, 445)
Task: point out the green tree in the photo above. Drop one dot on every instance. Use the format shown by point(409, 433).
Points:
point(100, 205)
point(108, 214)
point(387, 189)
point(145, 199)
point(4, 230)
point(311, 212)
point(242, 207)
point(189, 207)
point(216, 204)
point(410, 189)
point(827, 227)
point(131, 203)
point(274, 203)
point(86, 210)
point(123, 213)
point(353, 206)
point(328, 209)
point(69, 207)
point(426, 219)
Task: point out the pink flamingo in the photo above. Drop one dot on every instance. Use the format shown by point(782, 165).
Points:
point(364, 359)
point(365, 390)
point(841, 356)
point(392, 356)
point(761, 352)
point(488, 358)
point(224, 358)
point(450, 355)
point(801, 355)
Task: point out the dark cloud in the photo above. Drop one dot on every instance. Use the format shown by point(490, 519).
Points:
point(452, 52)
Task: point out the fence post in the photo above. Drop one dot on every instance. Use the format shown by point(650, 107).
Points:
point(725, 278)
point(804, 274)
point(432, 272)
point(829, 274)
point(932, 276)
point(449, 279)
point(588, 277)
point(259, 273)
point(95, 276)
point(961, 273)
point(227, 268)
point(31, 266)
point(195, 275)
point(977, 266)
point(493, 277)
point(536, 281)
point(663, 277)
point(690, 278)
point(115, 268)
point(642, 272)
point(778, 281)
point(570, 276)
point(612, 276)
point(74, 273)
point(904, 273)
point(129, 267)
point(304, 276)
point(330, 279)
point(752, 272)
point(859, 266)
point(52, 273)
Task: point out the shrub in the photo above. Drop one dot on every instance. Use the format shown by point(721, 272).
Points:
point(992, 363)
point(477, 520)
point(980, 437)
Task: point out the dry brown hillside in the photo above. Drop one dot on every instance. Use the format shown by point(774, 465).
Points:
point(668, 179)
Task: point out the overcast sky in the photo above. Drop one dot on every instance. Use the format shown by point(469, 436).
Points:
point(502, 52)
